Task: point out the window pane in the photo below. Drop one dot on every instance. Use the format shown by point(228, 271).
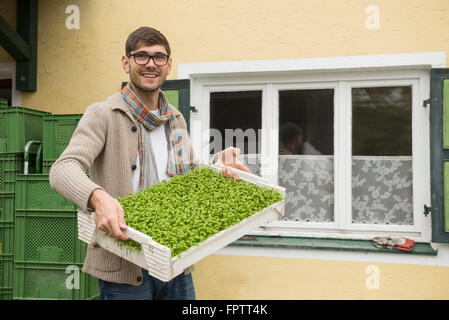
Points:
point(235, 120)
point(382, 121)
point(306, 164)
point(382, 190)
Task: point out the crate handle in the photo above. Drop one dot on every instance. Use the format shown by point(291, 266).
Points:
point(39, 159)
point(89, 219)
point(27, 154)
point(50, 254)
point(241, 173)
point(138, 236)
point(49, 290)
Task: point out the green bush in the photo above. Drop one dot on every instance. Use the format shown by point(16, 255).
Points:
point(187, 209)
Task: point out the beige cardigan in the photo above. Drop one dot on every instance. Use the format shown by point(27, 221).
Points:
point(105, 145)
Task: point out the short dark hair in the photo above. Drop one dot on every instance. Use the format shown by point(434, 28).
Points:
point(146, 36)
point(289, 131)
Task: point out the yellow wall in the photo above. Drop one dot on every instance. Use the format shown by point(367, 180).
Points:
point(247, 277)
point(79, 67)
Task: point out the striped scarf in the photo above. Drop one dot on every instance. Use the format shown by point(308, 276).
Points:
point(175, 165)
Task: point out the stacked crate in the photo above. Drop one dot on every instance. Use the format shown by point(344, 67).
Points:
point(58, 130)
point(40, 254)
point(17, 126)
point(6, 230)
point(48, 256)
point(10, 164)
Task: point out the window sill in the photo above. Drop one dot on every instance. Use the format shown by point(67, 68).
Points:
point(421, 248)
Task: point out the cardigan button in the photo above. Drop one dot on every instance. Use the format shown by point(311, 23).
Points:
point(133, 167)
point(134, 129)
point(139, 279)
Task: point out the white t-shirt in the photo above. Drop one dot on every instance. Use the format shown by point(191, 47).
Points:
point(159, 144)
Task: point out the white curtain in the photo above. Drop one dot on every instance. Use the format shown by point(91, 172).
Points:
point(382, 190)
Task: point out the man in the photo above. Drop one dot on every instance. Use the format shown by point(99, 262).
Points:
point(128, 142)
point(290, 141)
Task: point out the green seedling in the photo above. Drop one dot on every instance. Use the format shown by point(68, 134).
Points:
point(188, 209)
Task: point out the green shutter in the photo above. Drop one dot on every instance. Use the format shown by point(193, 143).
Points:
point(178, 94)
point(172, 97)
point(446, 113)
point(446, 195)
point(439, 153)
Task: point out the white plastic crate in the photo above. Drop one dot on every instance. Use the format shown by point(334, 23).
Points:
point(156, 258)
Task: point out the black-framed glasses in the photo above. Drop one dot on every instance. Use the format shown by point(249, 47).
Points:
point(159, 59)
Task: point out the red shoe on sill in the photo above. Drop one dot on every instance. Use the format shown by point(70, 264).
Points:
point(405, 244)
point(397, 243)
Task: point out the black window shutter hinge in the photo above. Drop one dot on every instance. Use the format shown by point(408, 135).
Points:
point(427, 210)
point(426, 103)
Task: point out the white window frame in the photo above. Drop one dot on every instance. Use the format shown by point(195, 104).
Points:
point(340, 74)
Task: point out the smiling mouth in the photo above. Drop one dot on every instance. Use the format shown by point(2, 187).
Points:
point(149, 75)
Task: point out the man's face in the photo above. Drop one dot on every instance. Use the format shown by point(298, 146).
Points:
point(298, 144)
point(149, 77)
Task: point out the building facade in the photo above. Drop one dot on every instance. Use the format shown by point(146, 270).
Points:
point(352, 76)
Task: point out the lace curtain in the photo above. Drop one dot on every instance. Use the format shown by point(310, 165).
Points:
point(382, 191)
point(309, 183)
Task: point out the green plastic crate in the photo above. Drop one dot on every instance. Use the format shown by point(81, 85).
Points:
point(6, 276)
point(47, 236)
point(58, 130)
point(5, 293)
point(53, 282)
point(10, 165)
point(7, 207)
point(33, 191)
point(46, 165)
point(45, 223)
point(19, 125)
point(3, 102)
point(6, 238)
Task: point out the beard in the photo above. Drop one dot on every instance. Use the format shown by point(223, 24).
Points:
point(138, 81)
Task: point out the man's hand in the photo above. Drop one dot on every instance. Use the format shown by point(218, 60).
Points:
point(109, 214)
point(228, 158)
